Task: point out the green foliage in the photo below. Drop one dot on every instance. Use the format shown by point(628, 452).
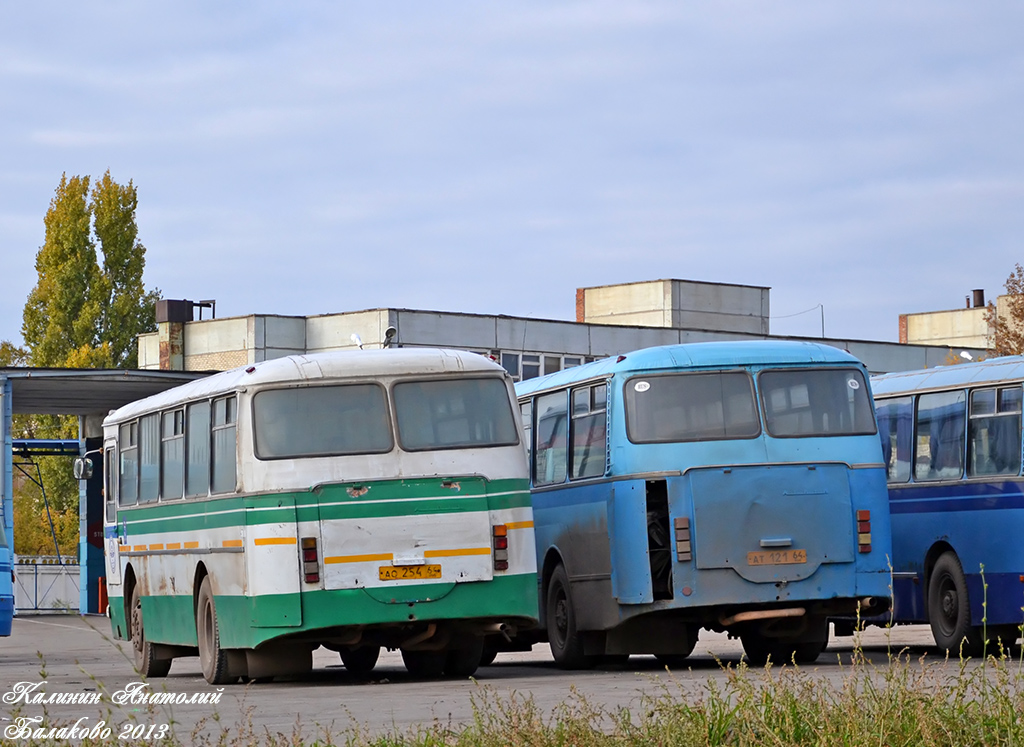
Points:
point(33, 534)
point(82, 314)
point(11, 355)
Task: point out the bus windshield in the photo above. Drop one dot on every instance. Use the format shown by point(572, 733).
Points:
point(453, 414)
point(821, 402)
point(321, 421)
point(691, 407)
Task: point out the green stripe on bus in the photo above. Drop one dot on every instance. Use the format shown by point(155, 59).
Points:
point(171, 619)
point(392, 498)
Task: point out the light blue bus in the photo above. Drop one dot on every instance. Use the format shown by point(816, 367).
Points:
point(6, 585)
point(730, 486)
point(951, 440)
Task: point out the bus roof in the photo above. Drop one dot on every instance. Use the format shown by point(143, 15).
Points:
point(1008, 368)
point(313, 366)
point(694, 356)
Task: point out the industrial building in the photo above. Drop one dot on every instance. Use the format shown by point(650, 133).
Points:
point(610, 320)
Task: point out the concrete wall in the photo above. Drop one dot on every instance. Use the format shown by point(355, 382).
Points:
point(678, 304)
point(217, 344)
point(955, 328)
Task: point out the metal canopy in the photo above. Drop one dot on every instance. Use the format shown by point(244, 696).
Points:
point(63, 391)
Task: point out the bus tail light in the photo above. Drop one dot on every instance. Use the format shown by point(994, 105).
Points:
point(499, 535)
point(684, 550)
point(864, 530)
point(310, 560)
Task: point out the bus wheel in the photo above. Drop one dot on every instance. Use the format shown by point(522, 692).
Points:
point(462, 662)
point(145, 661)
point(488, 655)
point(212, 658)
point(809, 647)
point(566, 644)
point(759, 649)
point(949, 609)
point(678, 658)
point(360, 661)
point(424, 663)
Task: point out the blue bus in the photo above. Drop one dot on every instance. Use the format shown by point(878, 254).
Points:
point(728, 486)
point(6, 584)
point(951, 440)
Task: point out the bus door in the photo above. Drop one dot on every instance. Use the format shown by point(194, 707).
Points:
point(772, 523)
point(111, 542)
point(272, 566)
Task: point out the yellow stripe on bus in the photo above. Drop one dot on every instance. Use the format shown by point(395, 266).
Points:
point(173, 545)
point(139, 548)
point(156, 547)
point(275, 541)
point(453, 553)
point(191, 545)
point(231, 543)
point(358, 558)
point(520, 525)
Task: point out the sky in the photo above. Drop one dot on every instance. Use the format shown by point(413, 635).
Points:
point(316, 157)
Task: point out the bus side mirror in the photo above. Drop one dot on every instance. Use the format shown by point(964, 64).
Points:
point(82, 468)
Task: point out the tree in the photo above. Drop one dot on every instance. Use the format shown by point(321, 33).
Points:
point(1007, 329)
point(81, 314)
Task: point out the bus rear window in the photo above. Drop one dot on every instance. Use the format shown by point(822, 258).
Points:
point(454, 414)
point(321, 421)
point(691, 407)
point(816, 402)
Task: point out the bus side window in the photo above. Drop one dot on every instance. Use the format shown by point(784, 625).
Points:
point(128, 472)
point(895, 426)
point(225, 411)
point(940, 434)
point(589, 424)
point(172, 454)
point(994, 424)
point(526, 415)
point(552, 439)
point(197, 454)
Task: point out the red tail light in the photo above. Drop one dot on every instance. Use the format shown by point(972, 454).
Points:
point(864, 530)
point(499, 537)
point(310, 560)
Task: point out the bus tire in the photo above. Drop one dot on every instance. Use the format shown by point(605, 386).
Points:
point(565, 641)
point(464, 661)
point(488, 655)
point(212, 658)
point(145, 659)
point(949, 609)
point(360, 661)
point(425, 664)
point(677, 659)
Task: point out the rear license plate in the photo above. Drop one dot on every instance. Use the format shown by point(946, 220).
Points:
point(777, 557)
point(408, 572)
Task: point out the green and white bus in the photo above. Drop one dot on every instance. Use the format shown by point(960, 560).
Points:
point(352, 500)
